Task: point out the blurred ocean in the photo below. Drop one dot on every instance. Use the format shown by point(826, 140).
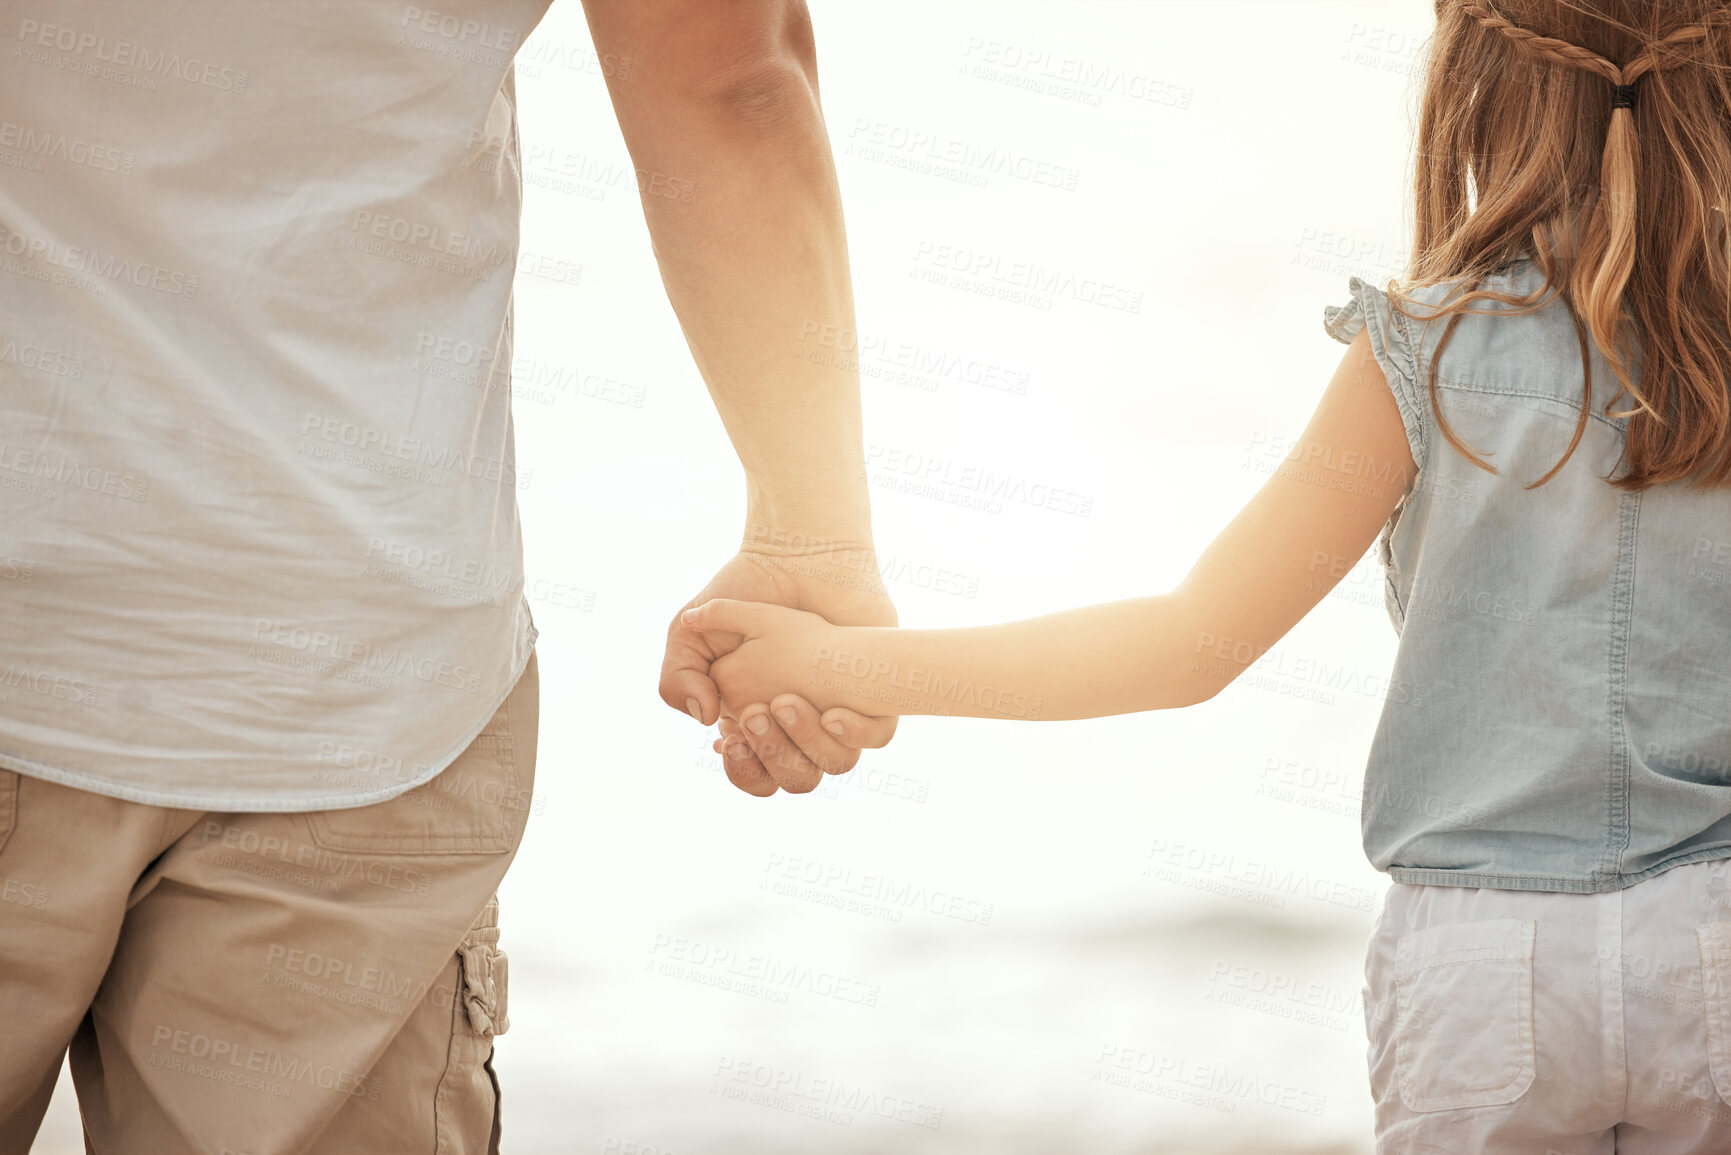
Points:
point(1138, 1034)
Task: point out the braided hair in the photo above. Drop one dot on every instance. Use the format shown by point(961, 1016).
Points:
point(1658, 265)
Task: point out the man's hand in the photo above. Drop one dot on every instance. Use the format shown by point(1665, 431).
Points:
point(794, 748)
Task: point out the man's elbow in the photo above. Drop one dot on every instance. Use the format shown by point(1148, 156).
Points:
point(762, 95)
point(752, 65)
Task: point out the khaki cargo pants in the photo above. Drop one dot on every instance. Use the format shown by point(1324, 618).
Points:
point(264, 984)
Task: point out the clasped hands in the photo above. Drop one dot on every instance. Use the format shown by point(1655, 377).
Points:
point(784, 742)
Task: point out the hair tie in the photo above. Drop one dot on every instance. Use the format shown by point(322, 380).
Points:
point(1622, 96)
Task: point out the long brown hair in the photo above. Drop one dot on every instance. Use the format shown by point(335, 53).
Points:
point(1520, 154)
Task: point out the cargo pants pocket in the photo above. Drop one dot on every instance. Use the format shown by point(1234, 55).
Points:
point(8, 804)
point(479, 804)
point(485, 973)
point(1463, 1030)
point(468, 1103)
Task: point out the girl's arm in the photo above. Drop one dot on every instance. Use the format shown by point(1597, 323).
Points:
point(1115, 658)
point(1312, 521)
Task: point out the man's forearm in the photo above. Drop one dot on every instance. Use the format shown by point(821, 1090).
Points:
point(720, 112)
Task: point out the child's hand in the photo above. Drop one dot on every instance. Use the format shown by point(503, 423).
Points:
point(777, 651)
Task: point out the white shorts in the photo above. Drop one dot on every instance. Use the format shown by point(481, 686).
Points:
point(1553, 1024)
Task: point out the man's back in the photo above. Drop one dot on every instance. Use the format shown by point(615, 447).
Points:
point(256, 459)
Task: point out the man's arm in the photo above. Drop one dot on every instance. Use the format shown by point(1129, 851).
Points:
point(720, 112)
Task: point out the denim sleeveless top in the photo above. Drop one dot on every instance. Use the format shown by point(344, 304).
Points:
point(1559, 713)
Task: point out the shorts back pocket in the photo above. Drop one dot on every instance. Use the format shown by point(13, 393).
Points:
point(1463, 1031)
point(1715, 941)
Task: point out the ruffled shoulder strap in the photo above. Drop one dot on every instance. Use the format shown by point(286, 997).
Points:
point(1391, 342)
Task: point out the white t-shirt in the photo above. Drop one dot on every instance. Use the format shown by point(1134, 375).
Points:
point(259, 546)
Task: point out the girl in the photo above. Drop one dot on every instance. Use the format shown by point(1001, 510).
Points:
point(1549, 785)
